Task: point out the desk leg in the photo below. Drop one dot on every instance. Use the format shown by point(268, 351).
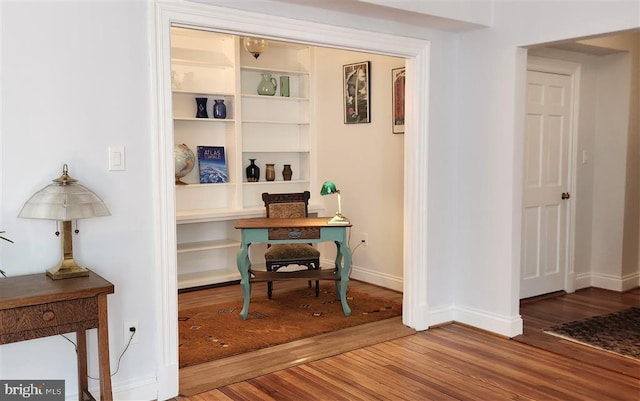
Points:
point(83, 382)
point(244, 265)
point(338, 267)
point(103, 350)
point(344, 270)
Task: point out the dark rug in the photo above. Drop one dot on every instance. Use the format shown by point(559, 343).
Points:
point(617, 332)
point(217, 331)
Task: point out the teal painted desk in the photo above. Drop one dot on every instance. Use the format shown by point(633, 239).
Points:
point(283, 231)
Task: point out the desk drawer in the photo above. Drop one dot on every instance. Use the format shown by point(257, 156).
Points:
point(294, 233)
point(48, 315)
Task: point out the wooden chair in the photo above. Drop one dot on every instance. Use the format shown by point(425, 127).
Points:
point(289, 205)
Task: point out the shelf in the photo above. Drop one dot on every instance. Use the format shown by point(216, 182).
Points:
point(279, 71)
point(208, 185)
point(212, 215)
point(209, 215)
point(197, 93)
point(275, 128)
point(275, 98)
point(300, 150)
point(207, 245)
point(188, 280)
point(213, 63)
point(275, 122)
point(276, 182)
point(205, 120)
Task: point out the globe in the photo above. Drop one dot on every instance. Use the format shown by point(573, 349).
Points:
point(185, 161)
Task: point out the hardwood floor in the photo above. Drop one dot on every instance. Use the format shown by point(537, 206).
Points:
point(198, 378)
point(543, 312)
point(456, 362)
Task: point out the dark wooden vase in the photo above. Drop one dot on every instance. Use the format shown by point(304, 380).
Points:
point(287, 173)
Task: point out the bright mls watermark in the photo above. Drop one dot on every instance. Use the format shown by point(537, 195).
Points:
point(38, 390)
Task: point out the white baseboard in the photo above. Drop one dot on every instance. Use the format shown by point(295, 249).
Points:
point(608, 281)
point(369, 276)
point(440, 315)
point(139, 389)
point(502, 325)
point(509, 326)
point(582, 281)
point(168, 376)
point(631, 281)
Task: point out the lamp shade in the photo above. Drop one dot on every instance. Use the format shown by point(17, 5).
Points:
point(328, 188)
point(64, 200)
point(255, 46)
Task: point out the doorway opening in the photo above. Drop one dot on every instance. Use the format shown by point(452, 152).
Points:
point(601, 191)
point(278, 127)
point(416, 53)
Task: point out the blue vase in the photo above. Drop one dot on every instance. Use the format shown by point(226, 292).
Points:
point(219, 109)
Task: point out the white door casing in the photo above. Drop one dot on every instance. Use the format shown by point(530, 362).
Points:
point(416, 52)
point(546, 229)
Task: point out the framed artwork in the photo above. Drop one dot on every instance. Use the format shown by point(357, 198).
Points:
point(356, 85)
point(397, 99)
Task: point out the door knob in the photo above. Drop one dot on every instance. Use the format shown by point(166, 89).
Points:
point(565, 195)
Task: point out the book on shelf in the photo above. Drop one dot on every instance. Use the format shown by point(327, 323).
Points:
point(212, 164)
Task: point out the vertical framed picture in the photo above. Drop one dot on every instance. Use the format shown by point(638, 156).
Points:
point(356, 83)
point(397, 99)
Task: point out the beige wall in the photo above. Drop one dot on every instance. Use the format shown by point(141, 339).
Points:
point(366, 163)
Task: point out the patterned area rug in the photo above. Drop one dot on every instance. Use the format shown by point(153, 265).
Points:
point(217, 331)
point(617, 332)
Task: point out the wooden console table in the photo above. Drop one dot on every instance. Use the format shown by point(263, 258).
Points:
point(35, 306)
point(300, 230)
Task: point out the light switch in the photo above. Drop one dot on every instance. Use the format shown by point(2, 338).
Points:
point(585, 157)
point(116, 158)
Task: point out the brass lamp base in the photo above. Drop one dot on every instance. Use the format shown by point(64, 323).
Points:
point(67, 270)
point(339, 219)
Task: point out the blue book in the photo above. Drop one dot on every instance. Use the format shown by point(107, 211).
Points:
point(213, 164)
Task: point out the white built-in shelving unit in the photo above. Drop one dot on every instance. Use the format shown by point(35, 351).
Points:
point(271, 129)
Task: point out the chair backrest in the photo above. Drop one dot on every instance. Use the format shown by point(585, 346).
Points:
point(289, 205)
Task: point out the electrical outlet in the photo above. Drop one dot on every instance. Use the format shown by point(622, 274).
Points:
point(364, 239)
point(127, 332)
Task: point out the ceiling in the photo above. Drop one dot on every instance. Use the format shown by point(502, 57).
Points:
point(410, 18)
point(404, 18)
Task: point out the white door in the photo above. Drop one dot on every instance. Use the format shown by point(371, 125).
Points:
point(546, 193)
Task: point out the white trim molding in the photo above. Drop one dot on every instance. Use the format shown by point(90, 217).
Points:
point(416, 51)
point(376, 278)
point(509, 326)
point(608, 281)
point(416, 150)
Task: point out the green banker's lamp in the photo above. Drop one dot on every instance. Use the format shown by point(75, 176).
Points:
point(329, 188)
point(65, 201)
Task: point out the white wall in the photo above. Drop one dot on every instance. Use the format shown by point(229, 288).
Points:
point(75, 80)
point(611, 138)
point(366, 163)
